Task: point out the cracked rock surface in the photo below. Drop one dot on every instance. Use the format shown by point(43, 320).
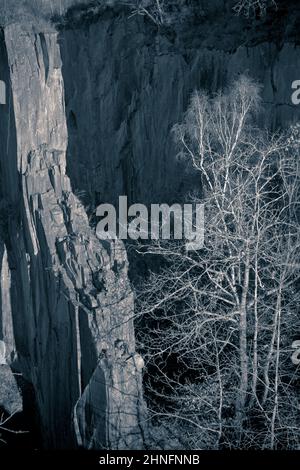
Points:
point(66, 298)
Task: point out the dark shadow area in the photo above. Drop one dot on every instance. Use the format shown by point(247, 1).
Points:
point(24, 430)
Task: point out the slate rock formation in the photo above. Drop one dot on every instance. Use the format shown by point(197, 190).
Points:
point(65, 296)
point(91, 107)
point(129, 81)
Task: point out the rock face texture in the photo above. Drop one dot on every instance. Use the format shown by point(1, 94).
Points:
point(127, 82)
point(66, 301)
point(10, 396)
point(91, 108)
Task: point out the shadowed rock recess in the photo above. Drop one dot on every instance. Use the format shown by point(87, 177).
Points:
point(66, 303)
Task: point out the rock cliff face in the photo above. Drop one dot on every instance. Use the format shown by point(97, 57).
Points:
point(127, 82)
point(67, 306)
point(91, 108)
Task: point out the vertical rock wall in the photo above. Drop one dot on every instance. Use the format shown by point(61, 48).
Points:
point(67, 306)
point(128, 82)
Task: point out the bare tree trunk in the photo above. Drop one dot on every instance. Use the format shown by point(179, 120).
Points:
point(271, 349)
point(255, 335)
point(275, 407)
point(241, 400)
point(219, 375)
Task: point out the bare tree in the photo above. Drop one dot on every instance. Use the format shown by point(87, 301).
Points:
point(5, 422)
point(249, 7)
point(226, 314)
point(153, 9)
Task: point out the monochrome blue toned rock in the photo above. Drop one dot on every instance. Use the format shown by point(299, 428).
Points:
point(89, 95)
